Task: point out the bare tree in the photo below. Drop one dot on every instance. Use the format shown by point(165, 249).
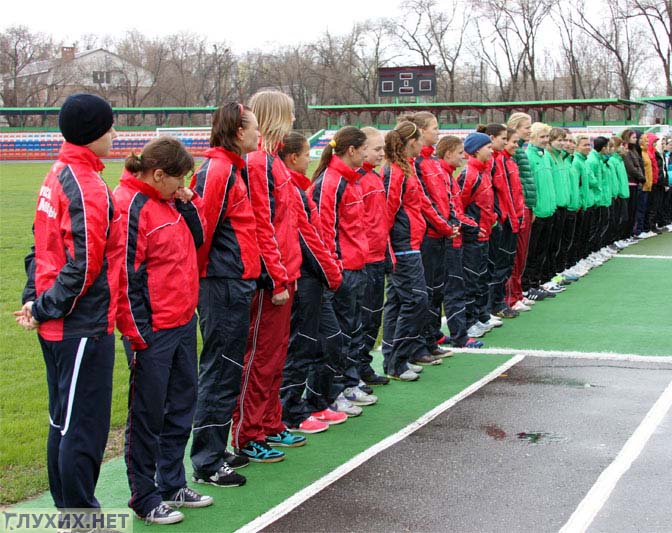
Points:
point(658, 17)
point(620, 39)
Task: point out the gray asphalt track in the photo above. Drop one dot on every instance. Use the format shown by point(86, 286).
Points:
point(518, 455)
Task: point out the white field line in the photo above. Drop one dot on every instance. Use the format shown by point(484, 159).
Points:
point(635, 256)
point(605, 484)
point(602, 356)
point(297, 499)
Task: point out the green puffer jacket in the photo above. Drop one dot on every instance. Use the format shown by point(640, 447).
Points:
point(526, 177)
point(587, 180)
point(543, 181)
point(596, 164)
point(623, 189)
point(574, 203)
point(560, 172)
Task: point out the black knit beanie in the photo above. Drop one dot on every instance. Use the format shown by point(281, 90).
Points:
point(84, 118)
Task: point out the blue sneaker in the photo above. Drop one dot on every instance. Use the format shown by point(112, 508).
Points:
point(287, 439)
point(473, 343)
point(260, 452)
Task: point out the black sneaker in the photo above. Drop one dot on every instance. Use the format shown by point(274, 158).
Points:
point(507, 312)
point(224, 477)
point(162, 514)
point(375, 379)
point(364, 387)
point(235, 461)
point(186, 497)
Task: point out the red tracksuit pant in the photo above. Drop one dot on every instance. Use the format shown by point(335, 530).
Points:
point(514, 286)
point(259, 412)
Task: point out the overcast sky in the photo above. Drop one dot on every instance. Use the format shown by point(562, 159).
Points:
point(245, 25)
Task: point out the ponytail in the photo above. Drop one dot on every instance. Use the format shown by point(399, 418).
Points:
point(339, 144)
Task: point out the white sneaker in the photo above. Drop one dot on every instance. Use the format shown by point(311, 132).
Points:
point(527, 302)
point(477, 330)
point(495, 322)
point(487, 326)
point(553, 287)
point(344, 406)
point(357, 396)
point(520, 307)
point(408, 375)
point(414, 368)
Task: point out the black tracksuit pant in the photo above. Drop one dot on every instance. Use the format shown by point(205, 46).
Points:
point(537, 255)
point(567, 241)
point(433, 262)
point(475, 264)
point(555, 243)
point(404, 314)
point(635, 191)
point(372, 314)
point(347, 304)
point(454, 296)
point(303, 350)
point(79, 381)
point(161, 404)
point(501, 256)
point(320, 389)
point(224, 319)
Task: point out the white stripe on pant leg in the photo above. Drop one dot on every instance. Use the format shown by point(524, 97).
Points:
point(73, 384)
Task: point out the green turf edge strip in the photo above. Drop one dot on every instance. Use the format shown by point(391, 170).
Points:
point(269, 485)
point(297, 499)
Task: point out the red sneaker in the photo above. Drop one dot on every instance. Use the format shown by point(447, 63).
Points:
point(311, 425)
point(330, 417)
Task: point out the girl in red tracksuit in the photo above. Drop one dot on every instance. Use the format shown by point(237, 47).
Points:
point(500, 253)
point(517, 221)
point(70, 299)
point(229, 265)
point(450, 151)
point(162, 227)
point(257, 419)
point(338, 197)
point(407, 207)
point(375, 219)
point(478, 201)
point(436, 188)
point(320, 271)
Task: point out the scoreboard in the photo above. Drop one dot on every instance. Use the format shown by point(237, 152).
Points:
point(407, 81)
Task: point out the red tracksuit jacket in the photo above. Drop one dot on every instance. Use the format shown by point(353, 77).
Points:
point(375, 212)
point(502, 192)
point(338, 197)
point(517, 194)
point(316, 256)
point(408, 210)
point(477, 196)
point(435, 187)
point(272, 198)
point(73, 266)
point(159, 273)
point(230, 248)
point(456, 203)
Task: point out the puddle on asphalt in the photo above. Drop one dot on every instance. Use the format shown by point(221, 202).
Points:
point(532, 437)
point(539, 437)
point(517, 379)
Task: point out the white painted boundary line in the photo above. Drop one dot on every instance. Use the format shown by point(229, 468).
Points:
point(297, 499)
point(635, 256)
point(605, 484)
point(603, 356)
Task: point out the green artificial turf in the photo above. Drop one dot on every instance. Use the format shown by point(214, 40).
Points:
point(618, 307)
point(660, 245)
point(270, 484)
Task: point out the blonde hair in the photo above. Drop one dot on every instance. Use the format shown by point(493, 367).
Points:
point(581, 137)
point(517, 119)
point(274, 111)
point(538, 128)
point(370, 131)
